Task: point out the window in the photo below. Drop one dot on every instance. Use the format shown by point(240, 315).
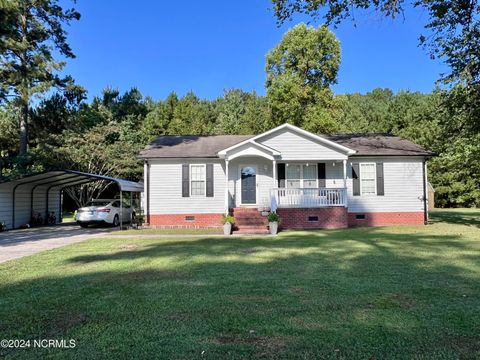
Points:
point(309, 176)
point(197, 179)
point(301, 176)
point(293, 176)
point(368, 178)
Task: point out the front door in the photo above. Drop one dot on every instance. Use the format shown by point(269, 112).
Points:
point(249, 184)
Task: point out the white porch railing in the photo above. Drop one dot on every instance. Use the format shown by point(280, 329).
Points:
point(307, 197)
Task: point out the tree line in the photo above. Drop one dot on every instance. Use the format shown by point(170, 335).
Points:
point(105, 135)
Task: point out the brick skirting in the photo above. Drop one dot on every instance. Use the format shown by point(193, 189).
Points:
point(385, 218)
point(185, 221)
point(297, 218)
point(313, 218)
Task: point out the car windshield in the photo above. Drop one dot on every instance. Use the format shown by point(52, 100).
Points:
point(98, 203)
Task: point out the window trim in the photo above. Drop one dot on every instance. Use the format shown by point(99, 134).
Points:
point(302, 179)
point(374, 178)
point(204, 180)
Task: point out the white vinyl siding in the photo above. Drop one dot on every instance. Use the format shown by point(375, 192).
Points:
point(368, 179)
point(166, 188)
point(403, 181)
point(197, 180)
point(294, 146)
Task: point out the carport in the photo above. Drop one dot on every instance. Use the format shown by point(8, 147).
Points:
point(42, 193)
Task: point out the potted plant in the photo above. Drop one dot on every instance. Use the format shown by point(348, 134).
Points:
point(228, 221)
point(273, 220)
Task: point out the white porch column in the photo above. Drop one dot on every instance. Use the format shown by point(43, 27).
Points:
point(274, 173)
point(227, 191)
point(345, 181)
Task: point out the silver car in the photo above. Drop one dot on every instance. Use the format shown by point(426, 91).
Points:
point(104, 211)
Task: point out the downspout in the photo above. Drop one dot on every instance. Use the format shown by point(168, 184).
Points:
point(147, 197)
point(425, 209)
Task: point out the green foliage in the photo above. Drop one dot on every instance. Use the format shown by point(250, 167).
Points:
point(31, 34)
point(228, 219)
point(300, 70)
point(273, 217)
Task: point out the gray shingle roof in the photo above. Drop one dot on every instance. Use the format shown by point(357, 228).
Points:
point(194, 146)
point(379, 144)
point(190, 146)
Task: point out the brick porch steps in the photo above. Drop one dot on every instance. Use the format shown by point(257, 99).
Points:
point(249, 221)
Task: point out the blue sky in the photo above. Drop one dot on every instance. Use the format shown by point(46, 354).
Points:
point(209, 46)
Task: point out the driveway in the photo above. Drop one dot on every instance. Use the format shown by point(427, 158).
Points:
point(18, 243)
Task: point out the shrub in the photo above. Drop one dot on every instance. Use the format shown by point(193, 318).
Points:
point(227, 218)
point(273, 217)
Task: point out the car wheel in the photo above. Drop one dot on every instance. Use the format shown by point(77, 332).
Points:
point(83, 225)
point(116, 221)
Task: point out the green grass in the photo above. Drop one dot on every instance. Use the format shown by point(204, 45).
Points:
point(172, 231)
point(68, 216)
point(372, 293)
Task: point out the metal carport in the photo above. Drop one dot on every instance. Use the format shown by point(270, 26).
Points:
point(42, 192)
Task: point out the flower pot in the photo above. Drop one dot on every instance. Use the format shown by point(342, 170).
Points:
point(273, 226)
point(227, 229)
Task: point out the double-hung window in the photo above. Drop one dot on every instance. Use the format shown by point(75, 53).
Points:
point(197, 179)
point(301, 176)
point(368, 175)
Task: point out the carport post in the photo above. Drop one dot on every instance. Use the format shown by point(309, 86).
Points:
point(121, 209)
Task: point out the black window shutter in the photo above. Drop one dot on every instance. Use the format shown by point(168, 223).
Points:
point(380, 180)
point(281, 175)
point(356, 179)
point(209, 174)
point(185, 180)
point(321, 175)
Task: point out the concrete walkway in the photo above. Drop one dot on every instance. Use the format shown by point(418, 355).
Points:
point(18, 243)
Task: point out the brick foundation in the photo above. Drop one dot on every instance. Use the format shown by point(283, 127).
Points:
point(385, 219)
point(328, 218)
point(180, 221)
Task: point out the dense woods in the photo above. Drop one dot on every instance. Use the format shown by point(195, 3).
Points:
point(105, 135)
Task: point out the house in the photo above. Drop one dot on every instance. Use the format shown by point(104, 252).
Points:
point(311, 181)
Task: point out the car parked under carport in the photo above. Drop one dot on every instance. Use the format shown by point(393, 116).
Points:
point(21, 199)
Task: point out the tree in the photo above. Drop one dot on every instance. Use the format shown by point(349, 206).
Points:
point(159, 117)
point(31, 32)
point(101, 150)
point(453, 26)
point(192, 116)
point(300, 70)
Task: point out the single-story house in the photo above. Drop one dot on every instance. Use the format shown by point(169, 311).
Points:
point(310, 180)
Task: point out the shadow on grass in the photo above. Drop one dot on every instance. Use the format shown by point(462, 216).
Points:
point(469, 217)
point(363, 293)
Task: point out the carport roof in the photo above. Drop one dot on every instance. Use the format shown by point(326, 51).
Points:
point(71, 178)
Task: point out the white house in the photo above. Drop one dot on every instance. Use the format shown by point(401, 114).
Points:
point(311, 181)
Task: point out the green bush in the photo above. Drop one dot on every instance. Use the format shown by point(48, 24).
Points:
point(227, 218)
point(273, 217)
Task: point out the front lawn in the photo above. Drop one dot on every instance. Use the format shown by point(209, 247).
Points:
point(376, 293)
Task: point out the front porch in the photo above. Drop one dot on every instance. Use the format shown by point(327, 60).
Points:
point(299, 176)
